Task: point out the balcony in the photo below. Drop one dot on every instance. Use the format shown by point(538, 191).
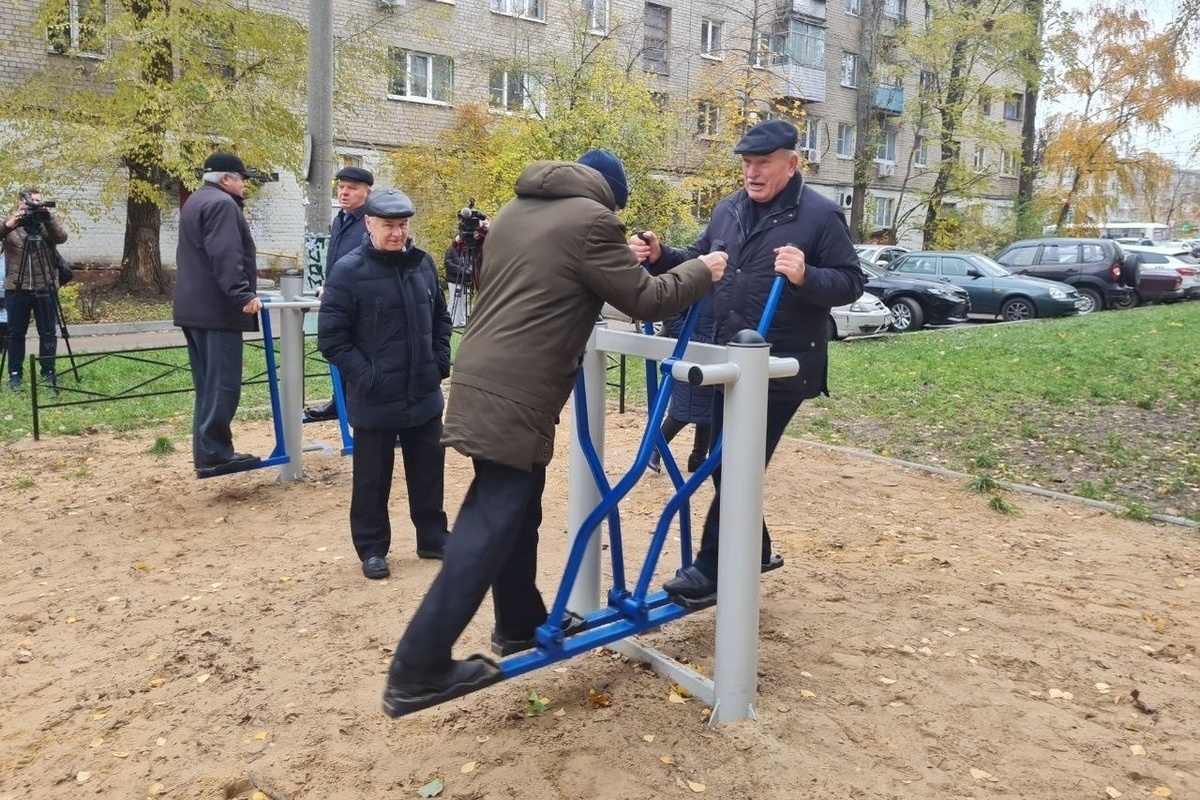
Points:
point(813, 9)
point(803, 83)
point(888, 99)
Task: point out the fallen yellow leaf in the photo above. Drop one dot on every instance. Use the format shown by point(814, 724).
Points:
point(1161, 791)
point(696, 787)
point(97, 741)
point(667, 759)
point(887, 681)
point(81, 777)
point(649, 737)
point(261, 735)
point(259, 794)
point(562, 712)
point(981, 775)
point(467, 767)
point(680, 690)
point(202, 678)
point(806, 693)
point(1111, 792)
point(675, 697)
point(1137, 749)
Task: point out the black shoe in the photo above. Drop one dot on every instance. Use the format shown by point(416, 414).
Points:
point(14, 382)
point(375, 568)
point(655, 462)
point(695, 462)
point(238, 462)
point(772, 563)
point(320, 413)
point(692, 588)
point(434, 550)
point(408, 691)
point(503, 645)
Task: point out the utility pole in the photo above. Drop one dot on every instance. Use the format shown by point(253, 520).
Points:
point(320, 116)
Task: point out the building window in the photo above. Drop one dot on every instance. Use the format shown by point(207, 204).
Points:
point(761, 53)
point(597, 15)
point(845, 140)
point(885, 211)
point(710, 38)
point(76, 27)
point(985, 106)
point(1014, 106)
point(849, 70)
point(803, 45)
point(421, 76)
point(980, 160)
point(531, 9)
point(886, 151)
point(927, 84)
point(854, 7)
point(657, 37)
point(810, 137)
point(1010, 163)
point(921, 152)
point(515, 92)
point(708, 117)
point(895, 9)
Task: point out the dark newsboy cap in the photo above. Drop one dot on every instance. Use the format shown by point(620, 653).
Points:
point(225, 162)
point(767, 137)
point(389, 204)
point(356, 174)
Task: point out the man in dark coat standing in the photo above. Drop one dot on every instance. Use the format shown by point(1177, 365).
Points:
point(554, 255)
point(384, 323)
point(215, 303)
point(774, 225)
point(345, 234)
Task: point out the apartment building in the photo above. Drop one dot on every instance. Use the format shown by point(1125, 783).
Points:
point(444, 53)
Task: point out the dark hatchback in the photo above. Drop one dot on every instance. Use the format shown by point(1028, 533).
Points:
point(915, 302)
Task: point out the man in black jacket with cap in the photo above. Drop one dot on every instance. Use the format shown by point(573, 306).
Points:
point(216, 281)
point(384, 323)
point(775, 225)
point(345, 234)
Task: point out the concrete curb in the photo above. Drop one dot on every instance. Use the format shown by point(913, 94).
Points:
point(119, 328)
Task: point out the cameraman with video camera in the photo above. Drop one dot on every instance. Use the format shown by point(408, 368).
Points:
point(462, 262)
point(31, 282)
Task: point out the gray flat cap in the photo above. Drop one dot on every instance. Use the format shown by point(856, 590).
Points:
point(389, 204)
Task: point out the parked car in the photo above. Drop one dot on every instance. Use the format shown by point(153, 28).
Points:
point(865, 316)
point(915, 302)
point(1095, 267)
point(995, 292)
point(881, 254)
point(1179, 259)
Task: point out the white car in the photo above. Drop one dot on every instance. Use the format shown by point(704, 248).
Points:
point(865, 316)
point(881, 254)
point(1177, 257)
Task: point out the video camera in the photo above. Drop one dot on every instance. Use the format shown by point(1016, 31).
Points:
point(35, 212)
point(470, 226)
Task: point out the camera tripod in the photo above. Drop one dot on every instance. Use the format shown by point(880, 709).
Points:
point(37, 255)
point(462, 295)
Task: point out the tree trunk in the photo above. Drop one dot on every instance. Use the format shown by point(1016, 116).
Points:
point(141, 263)
point(951, 148)
point(1027, 223)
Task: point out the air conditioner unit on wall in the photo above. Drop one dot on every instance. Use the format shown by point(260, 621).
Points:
point(847, 199)
point(811, 155)
point(887, 170)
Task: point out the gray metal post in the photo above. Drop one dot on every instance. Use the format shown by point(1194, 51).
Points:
point(319, 169)
point(735, 667)
point(582, 493)
point(291, 384)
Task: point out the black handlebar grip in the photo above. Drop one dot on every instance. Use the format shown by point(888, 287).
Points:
point(718, 246)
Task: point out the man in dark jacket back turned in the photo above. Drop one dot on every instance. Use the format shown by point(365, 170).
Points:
point(554, 255)
point(215, 303)
point(774, 225)
point(384, 323)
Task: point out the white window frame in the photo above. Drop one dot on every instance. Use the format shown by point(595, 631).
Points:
point(895, 9)
point(656, 65)
point(921, 151)
point(849, 76)
point(708, 118)
point(1014, 107)
point(985, 106)
point(519, 92)
point(1010, 163)
point(885, 152)
point(803, 45)
point(845, 140)
point(854, 8)
point(525, 9)
point(762, 50)
point(885, 212)
point(979, 160)
point(75, 29)
point(597, 13)
point(710, 39)
point(810, 135)
point(433, 76)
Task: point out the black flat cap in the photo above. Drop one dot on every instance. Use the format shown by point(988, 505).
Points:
point(356, 174)
point(225, 162)
point(767, 137)
point(389, 204)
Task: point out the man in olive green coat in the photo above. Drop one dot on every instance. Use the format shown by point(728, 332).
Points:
point(554, 255)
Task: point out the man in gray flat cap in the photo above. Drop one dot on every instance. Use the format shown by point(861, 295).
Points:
point(774, 225)
point(384, 323)
point(345, 234)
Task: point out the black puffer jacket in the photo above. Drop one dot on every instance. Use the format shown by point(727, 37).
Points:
point(801, 217)
point(384, 323)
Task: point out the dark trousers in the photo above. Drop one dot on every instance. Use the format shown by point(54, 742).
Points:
point(43, 306)
point(671, 428)
point(424, 474)
point(494, 545)
point(216, 361)
point(779, 414)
